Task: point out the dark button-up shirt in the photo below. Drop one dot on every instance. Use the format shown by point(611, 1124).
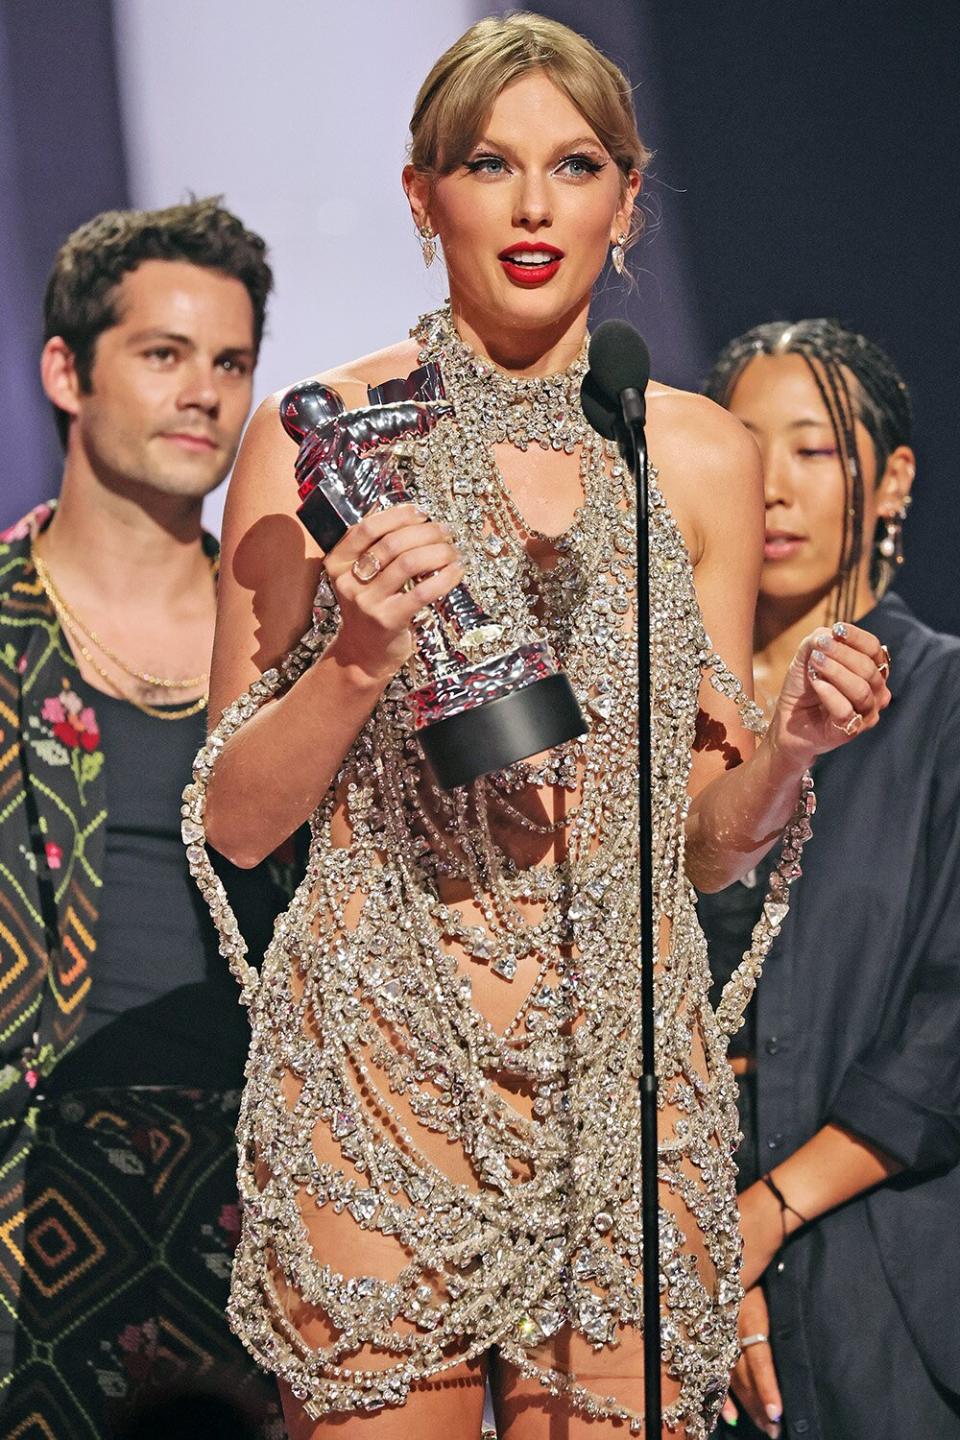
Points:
point(858, 1022)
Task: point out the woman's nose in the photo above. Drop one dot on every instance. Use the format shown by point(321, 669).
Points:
point(533, 206)
point(777, 486)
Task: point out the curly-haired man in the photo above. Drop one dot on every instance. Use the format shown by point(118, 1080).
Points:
point(121, 1044)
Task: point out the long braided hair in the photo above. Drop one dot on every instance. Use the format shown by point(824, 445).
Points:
point(878, 398)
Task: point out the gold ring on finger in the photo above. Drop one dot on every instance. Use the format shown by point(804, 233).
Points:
point(366, 567)
point(884, 666)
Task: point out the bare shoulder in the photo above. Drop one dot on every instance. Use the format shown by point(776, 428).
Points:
point(708, 464)
point(352, 379)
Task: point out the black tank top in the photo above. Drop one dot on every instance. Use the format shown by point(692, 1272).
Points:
point(162, 1007)
point(728, 918)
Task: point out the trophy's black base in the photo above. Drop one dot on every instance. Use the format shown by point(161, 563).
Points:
point(492, 736)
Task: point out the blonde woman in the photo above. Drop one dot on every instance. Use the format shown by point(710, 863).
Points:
point(439, 1144)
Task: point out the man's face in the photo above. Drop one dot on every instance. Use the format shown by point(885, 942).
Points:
point(171, 382)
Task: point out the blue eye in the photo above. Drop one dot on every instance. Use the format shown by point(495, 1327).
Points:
point(580, 165)
point(486, 165)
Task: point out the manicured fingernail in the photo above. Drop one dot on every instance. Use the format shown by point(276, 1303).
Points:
point(447, 530)
point(840, 630)
point(825, 640)
point(813, 672)
point(775, 1415)
point(817, 657)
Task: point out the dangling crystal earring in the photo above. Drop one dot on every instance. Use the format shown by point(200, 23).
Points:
point(889, 548)
point(618, 256)
point(428, 244)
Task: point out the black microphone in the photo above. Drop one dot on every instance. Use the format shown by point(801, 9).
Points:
point(612, 392)
point(612, 395)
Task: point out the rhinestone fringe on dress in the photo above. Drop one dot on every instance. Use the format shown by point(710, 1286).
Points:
point(366, 1001)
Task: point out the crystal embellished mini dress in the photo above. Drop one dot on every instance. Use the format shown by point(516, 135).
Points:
point(443, 1073)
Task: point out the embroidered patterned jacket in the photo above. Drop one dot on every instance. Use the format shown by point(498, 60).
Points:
point(52, 814)
point(52, 835)
point(53, 823)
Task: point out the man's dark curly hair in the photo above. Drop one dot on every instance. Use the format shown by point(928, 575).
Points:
point(81, 298)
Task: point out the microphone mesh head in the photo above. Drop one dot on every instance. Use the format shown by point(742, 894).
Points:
point(597, 407)
point(619, 359)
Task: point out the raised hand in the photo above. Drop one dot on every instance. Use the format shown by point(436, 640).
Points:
point(835, 689)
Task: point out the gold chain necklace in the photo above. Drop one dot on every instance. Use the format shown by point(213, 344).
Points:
point(71, 621)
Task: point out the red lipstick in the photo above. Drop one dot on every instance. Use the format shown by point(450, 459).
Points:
point(530, 262)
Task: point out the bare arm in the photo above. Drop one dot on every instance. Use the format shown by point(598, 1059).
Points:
point(739, 809)
point(275, 770)
point(832, 1167)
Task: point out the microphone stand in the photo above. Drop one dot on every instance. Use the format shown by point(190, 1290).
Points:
point(631, 439)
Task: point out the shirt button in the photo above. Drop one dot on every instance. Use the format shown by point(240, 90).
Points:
point(775, 1141)
point(799, 1427)
point(772, 1045)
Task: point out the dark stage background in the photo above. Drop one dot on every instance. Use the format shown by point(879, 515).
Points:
point(806, 164)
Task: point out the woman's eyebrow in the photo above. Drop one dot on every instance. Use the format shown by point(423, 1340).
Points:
point(579, 143)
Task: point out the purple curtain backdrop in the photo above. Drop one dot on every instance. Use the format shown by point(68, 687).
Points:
point(61, 161)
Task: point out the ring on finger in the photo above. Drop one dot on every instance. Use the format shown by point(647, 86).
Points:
point(884, 666)
point(851, 726)
point(366, 567)
point(758, 1339)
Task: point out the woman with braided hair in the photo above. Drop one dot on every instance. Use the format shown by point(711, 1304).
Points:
point(848, 1067)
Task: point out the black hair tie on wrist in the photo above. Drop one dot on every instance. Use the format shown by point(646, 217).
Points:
point(784, 1204)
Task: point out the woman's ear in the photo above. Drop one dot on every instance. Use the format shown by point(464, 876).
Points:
point(417, 185)
point(621, 220)
point(896, 481)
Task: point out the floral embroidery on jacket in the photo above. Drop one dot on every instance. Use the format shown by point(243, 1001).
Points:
point(71, 736)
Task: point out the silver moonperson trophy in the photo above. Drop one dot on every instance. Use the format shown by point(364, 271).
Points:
point(480, 708)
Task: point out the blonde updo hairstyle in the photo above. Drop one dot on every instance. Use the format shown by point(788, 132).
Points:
point(458, 94)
